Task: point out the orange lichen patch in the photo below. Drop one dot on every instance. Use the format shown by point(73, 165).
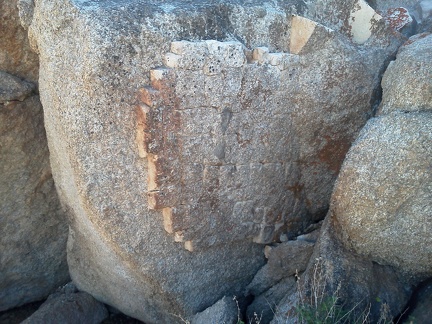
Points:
point(397, 18)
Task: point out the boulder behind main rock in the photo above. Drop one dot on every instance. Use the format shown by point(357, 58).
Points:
point(382, 199)
point(407, 83)
point(33, 229)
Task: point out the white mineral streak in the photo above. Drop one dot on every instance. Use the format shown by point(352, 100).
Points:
point(361, 21)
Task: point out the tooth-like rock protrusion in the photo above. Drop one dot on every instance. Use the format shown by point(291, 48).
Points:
point(361, 21)
point(306, 32)
point(211, 55)
point(282, 61)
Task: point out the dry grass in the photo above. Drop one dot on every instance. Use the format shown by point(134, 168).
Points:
point(317, 305)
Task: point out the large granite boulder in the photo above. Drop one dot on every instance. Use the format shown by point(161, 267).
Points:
point(244, 114)
point(33, 230)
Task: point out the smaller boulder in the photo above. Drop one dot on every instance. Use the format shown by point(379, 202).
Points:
point(284, 260)
point(13, 88)
point(407, 82)
point(264, 306)
point(224, 311)
point(382, 198)
point(69, 306)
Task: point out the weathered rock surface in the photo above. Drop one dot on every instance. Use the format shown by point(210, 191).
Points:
point(234, 142)
point(383, 195)
point(407, 83)
point(214, 123)
point(16, 57)
point(224, 311)
point(69, 306)
point(33, 231)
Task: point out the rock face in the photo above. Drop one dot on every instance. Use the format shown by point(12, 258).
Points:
point(241, 129)
point(33, 230)
point(383, 200)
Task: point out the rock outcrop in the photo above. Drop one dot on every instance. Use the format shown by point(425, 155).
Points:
point(33, 230)
point(237, 141)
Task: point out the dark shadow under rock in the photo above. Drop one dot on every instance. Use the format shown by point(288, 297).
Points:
point(19, 314)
